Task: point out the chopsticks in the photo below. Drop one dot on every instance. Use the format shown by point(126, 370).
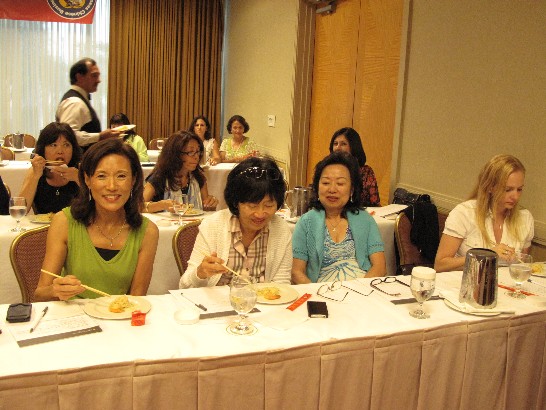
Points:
point(100, 292)
point(54, 162)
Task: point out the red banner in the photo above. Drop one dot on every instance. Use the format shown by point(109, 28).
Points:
point(64, 11)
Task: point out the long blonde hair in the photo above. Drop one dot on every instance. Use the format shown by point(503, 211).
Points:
point(491, 188)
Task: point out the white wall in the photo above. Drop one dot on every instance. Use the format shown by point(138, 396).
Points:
point(473, 85)
point(260, 69)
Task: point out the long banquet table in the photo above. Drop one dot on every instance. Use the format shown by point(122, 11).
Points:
point(165, 273)
point(369, 353)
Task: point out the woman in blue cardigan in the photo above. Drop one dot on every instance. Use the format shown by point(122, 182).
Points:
point(336, 239)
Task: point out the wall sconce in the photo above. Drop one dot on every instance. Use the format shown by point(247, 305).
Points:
point(323, 6)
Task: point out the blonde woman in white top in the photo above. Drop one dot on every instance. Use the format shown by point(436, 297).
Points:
point(492, 218)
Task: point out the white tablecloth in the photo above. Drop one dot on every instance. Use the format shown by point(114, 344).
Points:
point(395, 357)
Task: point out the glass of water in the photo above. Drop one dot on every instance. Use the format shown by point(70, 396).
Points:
point(242, 295)
point(422, 284)
point(520, 270)
point(160, 144)
point(17, 209)
point(180, 206)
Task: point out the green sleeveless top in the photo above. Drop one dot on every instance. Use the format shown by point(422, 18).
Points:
point(84, 262)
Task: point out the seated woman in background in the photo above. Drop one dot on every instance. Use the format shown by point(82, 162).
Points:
point(239, 147)
point(178, 169)
point(102, 240)
point(200, 126)
point(336, 239)
point(348, 140)
point(248, 235)
point(492, 218)
point(52, 182)
point(130, 136)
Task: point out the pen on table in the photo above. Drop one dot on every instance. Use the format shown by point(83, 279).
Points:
point(199, 305)
point(39, 319)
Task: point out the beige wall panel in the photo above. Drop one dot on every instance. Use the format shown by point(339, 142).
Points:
point(376, 84)
point(336, 42)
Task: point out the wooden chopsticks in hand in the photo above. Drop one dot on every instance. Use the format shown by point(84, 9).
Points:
point(99, 292)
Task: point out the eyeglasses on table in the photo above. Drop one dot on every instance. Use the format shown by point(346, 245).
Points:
point(335, 286)
point(385, 280)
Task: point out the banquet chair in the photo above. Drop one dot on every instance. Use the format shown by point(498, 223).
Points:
point(183, 241)
point(29, 141)
point(7, 154)
point(27, 254)
point(408, 252)
point(153, 143)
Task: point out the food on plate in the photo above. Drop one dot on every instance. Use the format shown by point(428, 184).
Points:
point(120, 304)
point(537, 267)
point(46, 218)
point(269, 292)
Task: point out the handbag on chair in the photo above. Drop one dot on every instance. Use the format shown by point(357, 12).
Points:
point(404, 197)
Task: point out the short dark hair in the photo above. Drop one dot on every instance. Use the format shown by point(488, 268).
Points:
point(170, 163)
point(349, 162)
point(121, 118)
point(208, 134)
point(357, 150)
point(51, 133)
point(241, 187)
point(80, 67)
point(238, 118)
point(83, 209)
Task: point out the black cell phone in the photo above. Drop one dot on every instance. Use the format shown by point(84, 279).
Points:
point(317, 309)
point(19, 312)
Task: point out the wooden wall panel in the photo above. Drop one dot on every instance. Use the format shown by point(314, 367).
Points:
point(376, 84)
point(357, 53)
point(334, 67)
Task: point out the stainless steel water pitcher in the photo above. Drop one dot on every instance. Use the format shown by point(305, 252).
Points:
point(480, 277)
point(301, 197)
point(17, 140)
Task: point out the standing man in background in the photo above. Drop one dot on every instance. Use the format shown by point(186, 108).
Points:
point(75, 107)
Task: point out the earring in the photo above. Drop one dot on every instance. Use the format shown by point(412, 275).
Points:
point(90, 197)
point(131, 196)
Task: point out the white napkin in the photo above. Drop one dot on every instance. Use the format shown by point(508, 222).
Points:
point(453, 298)
point(281, 319)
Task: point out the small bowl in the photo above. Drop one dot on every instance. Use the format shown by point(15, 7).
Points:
point(186, 316)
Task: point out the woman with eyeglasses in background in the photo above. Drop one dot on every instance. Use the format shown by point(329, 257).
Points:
point(246, 236)
point(178, 170)
point(336, 239)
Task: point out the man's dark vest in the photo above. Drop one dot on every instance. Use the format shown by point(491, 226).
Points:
point(92, 126)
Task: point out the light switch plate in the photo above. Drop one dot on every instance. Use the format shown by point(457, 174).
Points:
point(270, 120)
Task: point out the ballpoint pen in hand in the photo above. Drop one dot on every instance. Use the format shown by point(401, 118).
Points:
point(39, 319)
point(199, 305)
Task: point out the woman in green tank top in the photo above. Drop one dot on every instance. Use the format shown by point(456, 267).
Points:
point(101, 240)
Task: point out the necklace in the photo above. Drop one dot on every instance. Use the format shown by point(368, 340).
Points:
point(334, 227)
point(111, 238)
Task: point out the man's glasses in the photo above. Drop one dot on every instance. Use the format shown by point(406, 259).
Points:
point(387, 279)
point(191, 153)
point(335, 286)
point(257, 172)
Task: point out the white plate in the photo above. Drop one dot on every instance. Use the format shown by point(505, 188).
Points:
point(472, 311)
point(4, 163)
point(124, 127)
point(99, 307)
point(190, 213)
point(288, 293)
point(540, 274)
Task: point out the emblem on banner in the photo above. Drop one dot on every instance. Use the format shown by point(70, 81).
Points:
point(72, 9)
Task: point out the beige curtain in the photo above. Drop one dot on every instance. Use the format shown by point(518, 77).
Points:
point(165, 63)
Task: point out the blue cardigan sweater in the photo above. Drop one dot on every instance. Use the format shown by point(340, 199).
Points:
point(308, 239)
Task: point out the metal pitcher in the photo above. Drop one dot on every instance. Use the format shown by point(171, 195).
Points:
point(17, 141)
point(301, 197)
point(480, 277)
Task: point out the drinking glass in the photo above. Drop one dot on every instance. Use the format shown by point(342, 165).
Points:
point(520, 270)
point(180, 206)
point(17, 209)
point(422, 286)
point(242, 295)
point(160, 144)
